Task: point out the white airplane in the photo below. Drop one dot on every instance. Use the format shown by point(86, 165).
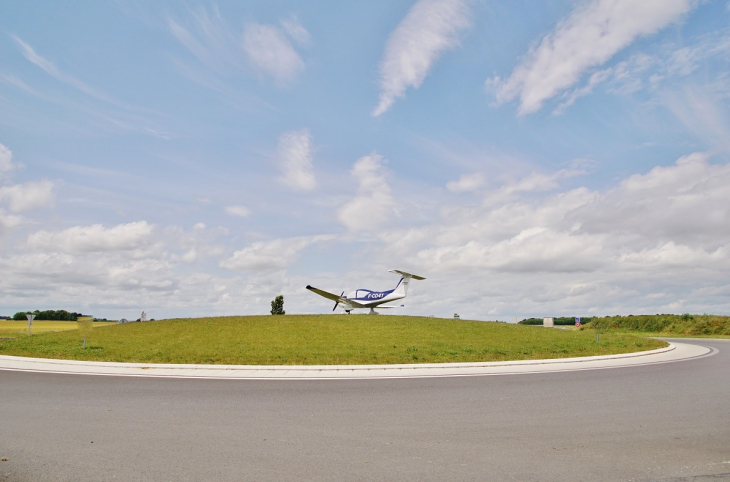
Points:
point(370, 299)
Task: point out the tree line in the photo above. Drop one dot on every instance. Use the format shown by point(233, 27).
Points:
point(54, 315)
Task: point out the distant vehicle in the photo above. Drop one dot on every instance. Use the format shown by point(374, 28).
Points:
point(363, 298)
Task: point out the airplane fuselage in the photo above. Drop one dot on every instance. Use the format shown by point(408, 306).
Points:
point(373, 298)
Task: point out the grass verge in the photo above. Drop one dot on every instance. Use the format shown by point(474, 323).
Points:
point(321, 340)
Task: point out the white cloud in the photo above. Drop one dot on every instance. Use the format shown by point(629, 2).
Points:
point(190, 256)
point(294, 157)
point(8, 221)
point(120, 270)
point(467, 182)
point(374, 204)
point(589, 37)
point(652, 239)
point(534, 182)
point(271, 52)
point(660, 69)
point(27, 196)
point(296, 31)
point(95, 238)
point(671, 255)
point(270, 255)
point(242, 211)
point(531, 250)
point(685, 202)
point(6, 161)
point(429, 29)
point(653, 242)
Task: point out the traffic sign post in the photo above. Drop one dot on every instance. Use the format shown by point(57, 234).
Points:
point(30, 321)
point(577, 321)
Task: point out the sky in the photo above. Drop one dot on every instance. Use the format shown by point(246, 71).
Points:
point(552, 158)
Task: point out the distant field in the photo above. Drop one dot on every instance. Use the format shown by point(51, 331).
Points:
point(42, 326)
point(321, 340)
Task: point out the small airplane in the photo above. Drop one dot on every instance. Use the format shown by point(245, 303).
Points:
point(370, 299)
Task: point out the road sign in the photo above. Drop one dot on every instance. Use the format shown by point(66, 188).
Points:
point(577, 321)
point(30, 320)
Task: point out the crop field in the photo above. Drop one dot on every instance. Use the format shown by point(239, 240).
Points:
point(321, 340)
point(11, 327)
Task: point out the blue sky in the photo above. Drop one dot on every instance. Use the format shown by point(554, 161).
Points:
point(552, 158)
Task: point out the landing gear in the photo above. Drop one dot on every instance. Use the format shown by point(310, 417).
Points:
point(373, 312)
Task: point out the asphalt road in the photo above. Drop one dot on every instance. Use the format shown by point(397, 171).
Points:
point(657, 422)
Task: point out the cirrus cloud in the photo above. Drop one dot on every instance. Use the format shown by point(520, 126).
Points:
point(294, 156)
point(589, 37)
point(270, 51)
point(429, 29)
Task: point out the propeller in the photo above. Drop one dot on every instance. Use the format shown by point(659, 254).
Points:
point(337, 302)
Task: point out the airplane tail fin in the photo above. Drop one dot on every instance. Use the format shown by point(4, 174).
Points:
point(405, 280)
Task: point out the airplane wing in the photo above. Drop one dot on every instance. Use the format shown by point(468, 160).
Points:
point(334, 297)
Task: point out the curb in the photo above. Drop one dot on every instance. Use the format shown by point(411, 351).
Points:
point(674, 352)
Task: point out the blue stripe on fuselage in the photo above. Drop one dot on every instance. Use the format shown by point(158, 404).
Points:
point(373, 295)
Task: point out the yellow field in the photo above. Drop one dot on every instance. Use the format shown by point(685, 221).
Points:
point(12, 326)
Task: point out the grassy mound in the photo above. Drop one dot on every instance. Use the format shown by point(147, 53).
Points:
point(321, 340)
point(692, 325)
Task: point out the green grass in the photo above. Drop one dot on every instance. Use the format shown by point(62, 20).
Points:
point(321, 340)
point(665, 325)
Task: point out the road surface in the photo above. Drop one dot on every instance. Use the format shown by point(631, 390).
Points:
point(666, 421)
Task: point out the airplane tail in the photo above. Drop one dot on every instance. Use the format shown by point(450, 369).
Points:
point(405, 280)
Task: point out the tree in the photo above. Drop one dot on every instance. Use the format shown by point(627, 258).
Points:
point(277, 306)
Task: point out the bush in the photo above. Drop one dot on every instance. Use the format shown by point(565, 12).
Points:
point(685, 324)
